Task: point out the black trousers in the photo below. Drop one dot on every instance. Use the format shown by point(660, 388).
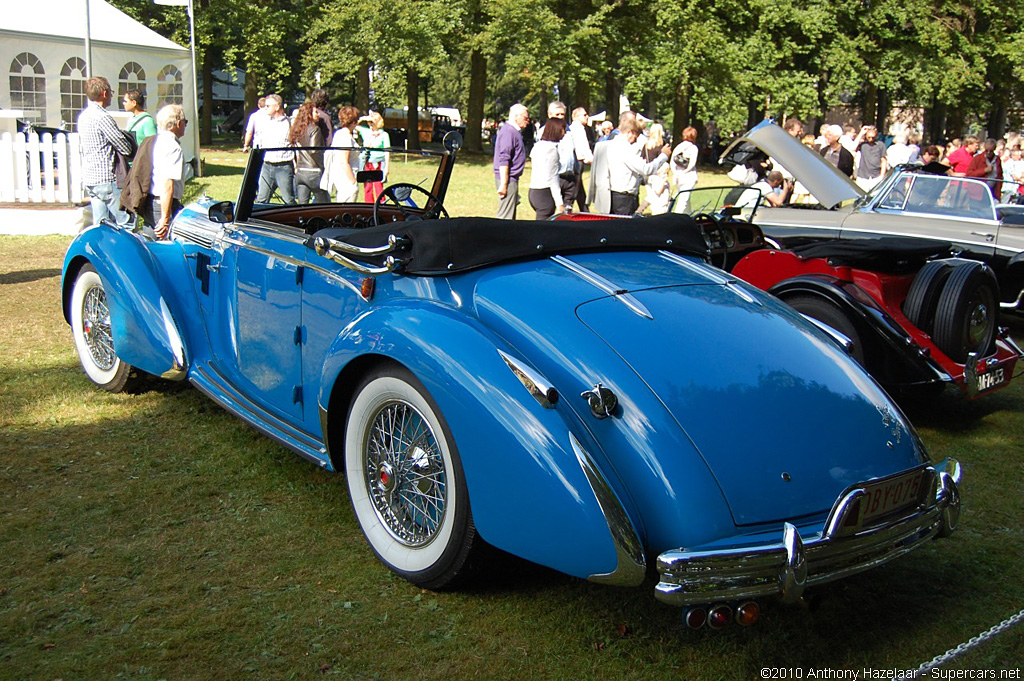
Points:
point(624, 204)
point(542, 202)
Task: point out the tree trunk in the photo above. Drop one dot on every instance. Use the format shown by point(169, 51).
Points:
point(651, 105)
point(542, 106)
point(882, 115)
point(997, 121)
point(680, 111)
point(412, 125)
point(251, 92)
point(582, 96)
point(362, 100)
point(870, 110)
point(477, 92)
point(611, 97)
point(206, 115)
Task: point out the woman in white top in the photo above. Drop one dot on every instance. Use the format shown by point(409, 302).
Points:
point(545, 193)
point(340, 167)
point(684, 161)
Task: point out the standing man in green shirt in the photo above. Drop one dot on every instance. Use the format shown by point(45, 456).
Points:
point(142, 124)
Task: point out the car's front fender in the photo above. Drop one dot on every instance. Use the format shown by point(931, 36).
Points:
point(534, 489)
point(142, 317)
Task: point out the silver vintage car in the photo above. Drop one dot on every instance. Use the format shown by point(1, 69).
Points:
point(907, 203)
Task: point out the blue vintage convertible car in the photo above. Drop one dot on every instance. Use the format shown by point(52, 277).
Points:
point(590, 396)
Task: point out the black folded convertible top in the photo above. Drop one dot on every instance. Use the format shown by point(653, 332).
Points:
point(892, 254)
point(462, 244)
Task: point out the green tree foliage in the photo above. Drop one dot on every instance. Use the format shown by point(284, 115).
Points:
point(735, 60)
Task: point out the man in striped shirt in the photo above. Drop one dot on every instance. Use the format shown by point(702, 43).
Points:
point(101, 140)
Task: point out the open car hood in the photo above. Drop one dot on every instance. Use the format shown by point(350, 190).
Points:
point(821, 178)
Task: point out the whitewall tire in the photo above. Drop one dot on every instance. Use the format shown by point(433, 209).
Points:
point(90, 323)
point(405, 480)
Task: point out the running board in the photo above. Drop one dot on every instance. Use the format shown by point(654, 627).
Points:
point(207, 380)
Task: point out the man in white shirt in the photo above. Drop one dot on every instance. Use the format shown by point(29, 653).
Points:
point(772, 190)
point(584, 156)
point(273, 131)
point(626, 167)
point(167, 182)
point(249, 139)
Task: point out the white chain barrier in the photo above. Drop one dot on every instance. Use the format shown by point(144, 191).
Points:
point(945, 657)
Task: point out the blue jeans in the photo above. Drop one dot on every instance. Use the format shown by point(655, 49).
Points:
point(280, 175)
point(105, 200)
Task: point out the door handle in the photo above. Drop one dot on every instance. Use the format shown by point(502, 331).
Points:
point(988, 237)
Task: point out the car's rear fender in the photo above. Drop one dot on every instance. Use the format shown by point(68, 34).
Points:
point(531, 480)
point(142, 317)
point(889, 353)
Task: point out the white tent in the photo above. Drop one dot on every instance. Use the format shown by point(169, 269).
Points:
point(43, 49)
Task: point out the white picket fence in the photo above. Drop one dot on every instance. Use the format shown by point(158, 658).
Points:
point(40, 169)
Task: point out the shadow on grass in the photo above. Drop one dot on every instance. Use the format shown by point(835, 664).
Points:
point(26, 276)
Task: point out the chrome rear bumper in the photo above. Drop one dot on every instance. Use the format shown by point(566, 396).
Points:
point(785, 568)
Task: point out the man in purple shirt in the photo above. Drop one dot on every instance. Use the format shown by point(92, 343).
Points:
point(509, 161)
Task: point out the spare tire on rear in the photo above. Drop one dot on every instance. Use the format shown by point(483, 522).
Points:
point(967, 312)
point(923, 296)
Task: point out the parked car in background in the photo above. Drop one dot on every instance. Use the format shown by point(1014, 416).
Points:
point(594, 398)
point(907, 203)
point(919, 310)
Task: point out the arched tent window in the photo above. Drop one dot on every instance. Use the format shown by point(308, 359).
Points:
point(168, 87)
point(72, 91)
point(132, 77)
point(28, 85)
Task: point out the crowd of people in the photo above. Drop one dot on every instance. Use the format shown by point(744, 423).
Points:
point(306, 176)
point(621, 160)
point(865, 157)
point(626, 157)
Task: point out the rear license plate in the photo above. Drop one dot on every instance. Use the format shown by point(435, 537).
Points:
point(992, 379)
point(891, 495)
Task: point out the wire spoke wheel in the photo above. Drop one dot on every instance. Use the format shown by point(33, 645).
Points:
point(94, 335)
point(406, 482)
point(96, 326)
point(406, 478)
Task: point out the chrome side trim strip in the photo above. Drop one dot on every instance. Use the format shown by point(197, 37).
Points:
point(177, 370)
point(840, 338)
point(208, 381)
point(539, 387)
point(719, 278)
point(632, 564)
point(608, 287)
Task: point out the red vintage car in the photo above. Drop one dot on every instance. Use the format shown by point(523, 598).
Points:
point(909, 312)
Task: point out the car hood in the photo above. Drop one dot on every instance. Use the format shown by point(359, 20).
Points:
point(822, 179)
point(780, 416)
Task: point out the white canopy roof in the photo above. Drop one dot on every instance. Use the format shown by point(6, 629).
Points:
point(66, 19)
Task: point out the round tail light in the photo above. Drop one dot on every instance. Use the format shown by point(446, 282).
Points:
point(720, 616)
point(695, 617)
point(748, 613)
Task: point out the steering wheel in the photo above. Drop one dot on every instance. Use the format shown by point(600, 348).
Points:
point(714, 236)
point(399, 194)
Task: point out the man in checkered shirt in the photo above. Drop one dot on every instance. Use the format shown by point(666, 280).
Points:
point(101, 139)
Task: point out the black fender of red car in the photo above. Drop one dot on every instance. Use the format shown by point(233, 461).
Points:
point(890, 354)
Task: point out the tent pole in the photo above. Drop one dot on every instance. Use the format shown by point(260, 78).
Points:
point(88, 44)
point(195, 88)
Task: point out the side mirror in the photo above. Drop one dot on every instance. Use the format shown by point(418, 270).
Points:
point(222, 213)
point(370, 176)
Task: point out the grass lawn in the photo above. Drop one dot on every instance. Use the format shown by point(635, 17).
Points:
point(154, 536)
